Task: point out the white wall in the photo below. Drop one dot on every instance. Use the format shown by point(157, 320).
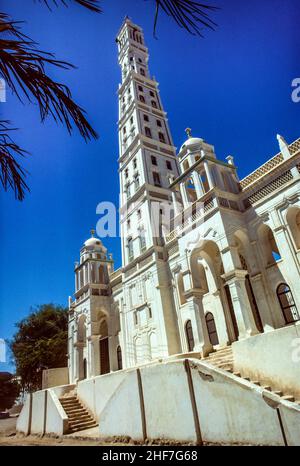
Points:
point(55, 377)
point(271, 358)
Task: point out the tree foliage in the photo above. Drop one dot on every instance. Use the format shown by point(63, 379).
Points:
point(40, 343)
point(23, 67)
point(9, 390)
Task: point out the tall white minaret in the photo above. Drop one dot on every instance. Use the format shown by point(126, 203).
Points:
point(147, 165)
point(147, 160)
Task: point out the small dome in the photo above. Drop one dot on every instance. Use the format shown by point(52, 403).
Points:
point(94, 242)
point(190, 142)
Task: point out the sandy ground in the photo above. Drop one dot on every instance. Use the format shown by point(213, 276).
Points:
point(9, 437)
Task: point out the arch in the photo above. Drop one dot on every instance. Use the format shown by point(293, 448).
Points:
point(189, 336)
point(211, 328)
point(268, 245)
point(287, 303)
point(119, 358)
point(198, 273)
point(293, 221)
point(186, 165)
point(190, 190)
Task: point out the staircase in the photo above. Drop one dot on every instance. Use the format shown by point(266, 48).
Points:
point(223, 359)
point(78, 416)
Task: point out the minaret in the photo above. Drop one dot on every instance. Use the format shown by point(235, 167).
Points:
point(147, 166)
point(147, 162)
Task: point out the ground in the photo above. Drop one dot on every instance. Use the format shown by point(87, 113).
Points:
point(8, 436)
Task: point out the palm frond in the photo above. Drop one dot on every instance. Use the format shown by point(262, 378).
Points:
point(12, 175)
point(22, 65)
point(188, 14)
point(92, 5)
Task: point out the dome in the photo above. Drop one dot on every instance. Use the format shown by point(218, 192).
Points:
point(190, 142)
point(94, 243)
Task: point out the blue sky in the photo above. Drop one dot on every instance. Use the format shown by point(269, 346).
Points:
point(233, 88)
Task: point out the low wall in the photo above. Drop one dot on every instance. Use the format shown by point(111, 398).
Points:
point(55, 377)
point(273, 358)
point(42, 412)
point(188, 401)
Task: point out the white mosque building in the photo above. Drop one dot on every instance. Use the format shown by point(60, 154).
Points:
point(210, 274)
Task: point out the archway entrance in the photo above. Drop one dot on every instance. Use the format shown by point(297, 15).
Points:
point(84, 369)
point(212, 329)
point(189, 336)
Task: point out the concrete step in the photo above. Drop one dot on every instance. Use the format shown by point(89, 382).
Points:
point(256, 382)
point(78, 429)
point(237, 374)
point(288, 398)
point(79, 422)
point(83, 425)
point(278, 393)
point(267, 387)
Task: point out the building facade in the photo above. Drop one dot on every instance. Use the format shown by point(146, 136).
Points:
point(207, 259)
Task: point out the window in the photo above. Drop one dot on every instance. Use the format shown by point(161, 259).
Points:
point(131, 120)
point(129, 90)
point(139, 214)
point(146, 118)
point(119, 358)
point(152, 94)
point(142, 98)
point(141, 88)
point(142, 240)
point(169, 165)
point(287, 304)
point(127, 191)
point(124, 129)
point(140, 60)
point(142, 71)
point(149, 312)
point(136, 182)
point(134, 164)
point(158, 122)
point(126, 173)
point(189, 335)
point(136, 320)
point(153, 160)
point(161, 137)
point(130, 248)
point(211, 328)
point(154, 104)
point(128, 224)
point(148, 132)
point(156, 179)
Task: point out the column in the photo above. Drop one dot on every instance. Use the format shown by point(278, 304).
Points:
point(265, 313)
point(184, 195)
point(207, 171)
point(242, 308)
point(197, 184)
point(94, 350)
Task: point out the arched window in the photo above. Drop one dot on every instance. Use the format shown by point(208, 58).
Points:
point(189, 335)
point(142, 98)
point(287, 304)
point(212, 329)
point(119, 358)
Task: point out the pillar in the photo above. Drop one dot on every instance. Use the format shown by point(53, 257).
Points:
point(265, 313)
point(184, 195)
point(197, 184)
point(241, 305)
point(208, 175)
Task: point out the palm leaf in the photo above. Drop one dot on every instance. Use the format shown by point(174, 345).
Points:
point(91, 5)
point(22, 66)
point(12, 175)
point(188, 14)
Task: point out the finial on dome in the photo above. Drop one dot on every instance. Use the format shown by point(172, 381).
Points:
point(93, 233)
point(189, 132)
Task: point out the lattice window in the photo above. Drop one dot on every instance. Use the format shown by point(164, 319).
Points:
point(269, 188)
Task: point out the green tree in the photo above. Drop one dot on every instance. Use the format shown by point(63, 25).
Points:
point(40, 343)
point(9, 390)
point(23, 68)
